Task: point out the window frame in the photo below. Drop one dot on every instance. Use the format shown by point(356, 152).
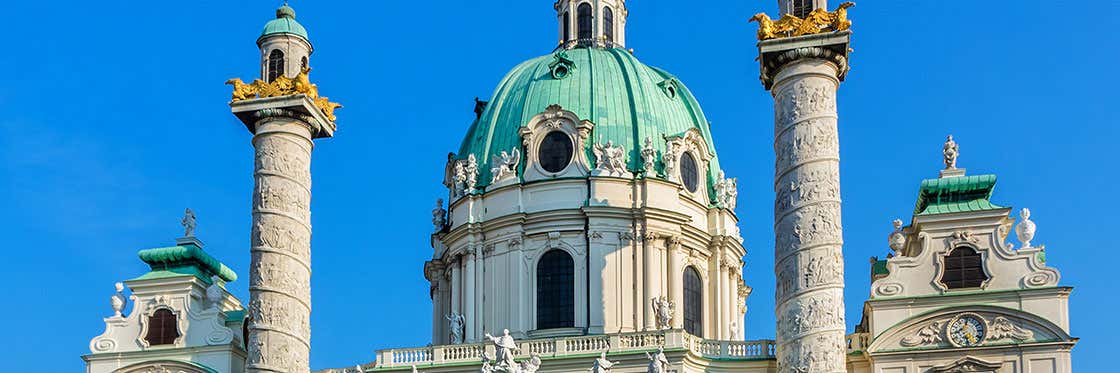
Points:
point(692, 307)
point(169, 320)
point(585, 21)
point(695, 174)
point(542, 151)
point(952, 275)
point(274, 66)
point(551, 312)
point(608, 24)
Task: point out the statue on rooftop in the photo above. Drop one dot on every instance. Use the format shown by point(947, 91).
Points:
point(602, 365)
point(189, 223)
point(663, 309)
point(657, 362)
point(504, 165)
point(439, 215)
point(455, 323)
point(950, 151)
point(505, 347)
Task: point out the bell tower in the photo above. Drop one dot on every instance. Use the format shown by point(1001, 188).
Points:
point(285, 47)
point(802, 62)
point(284, 113)
point(591, 23)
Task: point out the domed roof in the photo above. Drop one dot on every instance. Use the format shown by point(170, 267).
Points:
point(285, 23)
point(627, 101)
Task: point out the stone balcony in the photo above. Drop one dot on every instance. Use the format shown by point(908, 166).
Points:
point(582, 346)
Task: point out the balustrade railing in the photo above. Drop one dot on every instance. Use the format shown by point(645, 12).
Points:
point(564, 346)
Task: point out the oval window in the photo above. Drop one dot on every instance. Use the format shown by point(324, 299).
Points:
point(689, 172)
point(555, 151)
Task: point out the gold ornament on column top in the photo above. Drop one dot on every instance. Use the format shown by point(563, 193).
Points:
point(818, 21)
point(284, 86)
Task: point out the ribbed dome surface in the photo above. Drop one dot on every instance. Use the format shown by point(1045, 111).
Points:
point(626, 99)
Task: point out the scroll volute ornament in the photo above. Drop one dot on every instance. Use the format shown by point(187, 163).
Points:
point(284, 86)
point(818, 21)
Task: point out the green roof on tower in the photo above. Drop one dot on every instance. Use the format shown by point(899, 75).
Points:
point(956, 194)
point(285, 23)
point(627, 101)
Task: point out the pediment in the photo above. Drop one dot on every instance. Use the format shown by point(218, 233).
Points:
point(986, 326)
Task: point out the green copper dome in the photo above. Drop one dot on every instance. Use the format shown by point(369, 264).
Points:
point(285, 23)
point(627, 101)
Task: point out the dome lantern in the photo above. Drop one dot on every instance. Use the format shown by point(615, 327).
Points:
point(285, 47)
point(583, 23)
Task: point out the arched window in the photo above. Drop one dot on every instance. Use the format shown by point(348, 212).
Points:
point(690, 172)
point(608, 24)
point(567, 26)
point(693, 302)
point(555, 151)
point(555, 290)
point(303, 63)
point(963, 269)
point(583, 18)
point(275, 64)
point(163, 328)
point(800, 8)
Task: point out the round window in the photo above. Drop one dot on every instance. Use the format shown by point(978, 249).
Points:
point(555, 151)
point(690, 176)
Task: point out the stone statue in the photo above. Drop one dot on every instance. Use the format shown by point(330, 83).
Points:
point(610, 160)
point(602, 365)
point(1025, 230)
point(504, 165)
point(505, 347)
point(896, 239)
point(455, 325)
point(531, 365)
point(189, 223)
point(663, 309)
point(414, 369)
point(726, 191)
point(486, 366)
point(459, 179)
point(471, 169)
point(439, 215)
point(671, 159)
point(649, 156)
point(118, 301)
point(657, 362)
point(734, 330)
point(951, 151)
point(214, 293)
point(358, 369)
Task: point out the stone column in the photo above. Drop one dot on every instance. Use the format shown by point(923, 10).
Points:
point(717, 300)
point(480, 291)
point(649, 281)
point(280, 264)
point(468, 296)
point(808, 236)
point(456, 286)
point(676, 280)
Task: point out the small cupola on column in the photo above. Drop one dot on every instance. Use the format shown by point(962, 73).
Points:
point(285, 47)
point(592, 23)
point(800, 8)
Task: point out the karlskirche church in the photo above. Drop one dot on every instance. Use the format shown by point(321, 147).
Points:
point(588, 225)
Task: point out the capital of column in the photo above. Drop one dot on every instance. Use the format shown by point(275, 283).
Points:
point(774, 54)
point(294, 107)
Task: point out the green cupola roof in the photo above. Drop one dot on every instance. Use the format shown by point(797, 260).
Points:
point(627, 101)
point(186, 258)
point(285, 23)
point(956, 194)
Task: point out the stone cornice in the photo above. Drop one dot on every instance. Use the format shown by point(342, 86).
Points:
point(776, 53)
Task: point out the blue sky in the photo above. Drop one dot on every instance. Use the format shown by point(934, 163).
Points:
point(115, 119)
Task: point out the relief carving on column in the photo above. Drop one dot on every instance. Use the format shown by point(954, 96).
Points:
point(819, 353)
point(283, 196)
point(280, 274)
point(808, 314)
point(808, 185)
point(812, 225)
point(288, 238)
point(812, 139)
point(272, 313)
point(283, 157)
point(804, 98)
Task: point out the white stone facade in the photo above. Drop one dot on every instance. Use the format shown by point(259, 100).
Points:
point(630, 240)
point(210, 334)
